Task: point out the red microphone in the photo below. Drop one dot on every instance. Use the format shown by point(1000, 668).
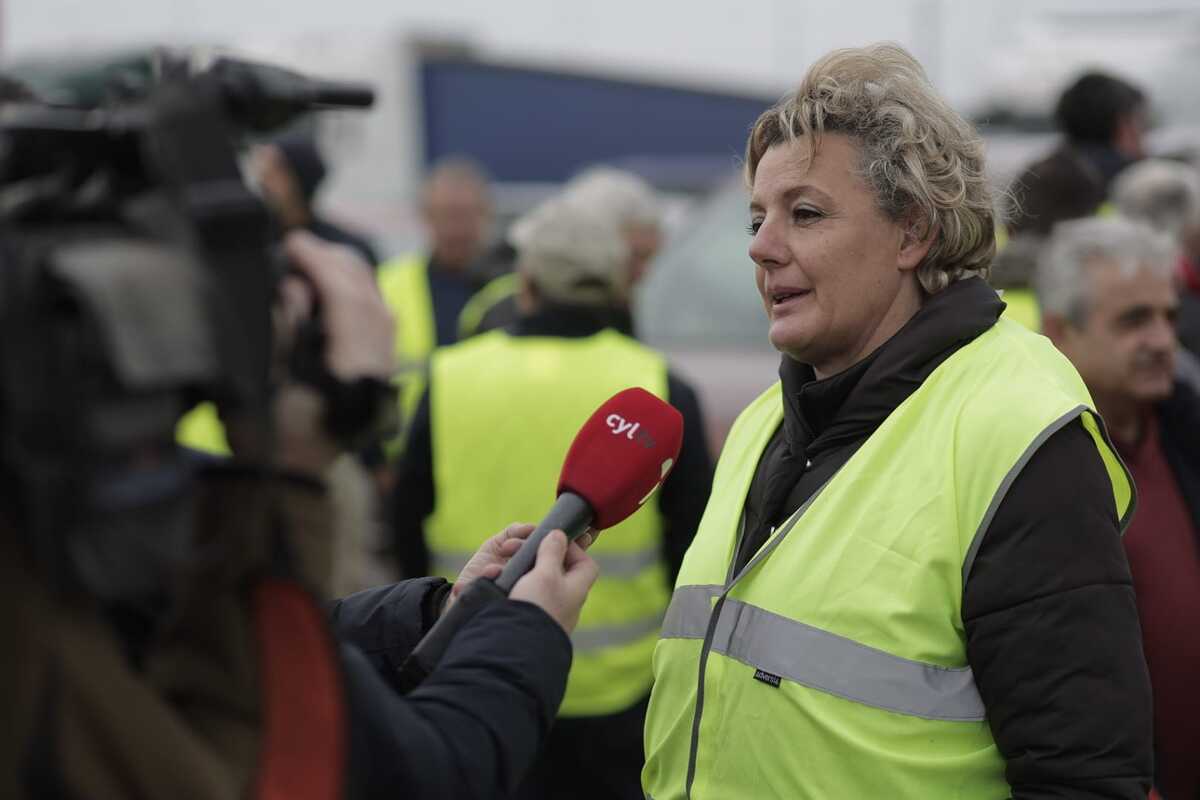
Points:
point(619, 458)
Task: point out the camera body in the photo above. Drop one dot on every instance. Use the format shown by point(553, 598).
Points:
point(137, 278)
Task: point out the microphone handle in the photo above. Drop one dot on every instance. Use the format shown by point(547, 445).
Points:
point(570, 514)
point(429, 651)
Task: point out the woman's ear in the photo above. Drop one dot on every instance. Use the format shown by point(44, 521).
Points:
point(919, 235)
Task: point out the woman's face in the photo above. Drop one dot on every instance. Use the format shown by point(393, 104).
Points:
point(836, 276)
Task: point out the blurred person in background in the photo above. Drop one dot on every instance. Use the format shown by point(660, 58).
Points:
point(427, 291)
point(487, 444)
point(289, 172)
point(1060, 187)
point(1103, 120)
point(909, 574)
point(1012, 273)
point(633, 206)
point(1166, 195)
point(1109, 304)
point(624, 199)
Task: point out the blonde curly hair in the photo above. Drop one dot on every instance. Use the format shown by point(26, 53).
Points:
point(923, 160)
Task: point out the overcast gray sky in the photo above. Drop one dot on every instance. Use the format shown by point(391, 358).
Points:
point(968, 45)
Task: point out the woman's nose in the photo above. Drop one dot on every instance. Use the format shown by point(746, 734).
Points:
point(768, 248)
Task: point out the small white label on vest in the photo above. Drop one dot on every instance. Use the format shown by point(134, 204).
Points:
point(767, 678)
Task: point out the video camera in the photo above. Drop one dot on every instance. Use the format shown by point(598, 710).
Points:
point(137, 277)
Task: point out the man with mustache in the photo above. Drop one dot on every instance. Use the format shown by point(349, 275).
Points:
point(1109, 304)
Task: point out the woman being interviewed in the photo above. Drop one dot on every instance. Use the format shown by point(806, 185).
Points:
point(909, 579)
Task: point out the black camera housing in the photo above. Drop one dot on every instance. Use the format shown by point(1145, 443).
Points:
point(137, 277)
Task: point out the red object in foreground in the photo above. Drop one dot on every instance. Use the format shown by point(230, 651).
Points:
point(622, 454)
point(303, 751)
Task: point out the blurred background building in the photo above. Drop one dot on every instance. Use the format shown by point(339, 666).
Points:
point(537, 90)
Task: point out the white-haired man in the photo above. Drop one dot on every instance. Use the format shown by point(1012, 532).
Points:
point(487, 442)
point(1109, 304)
point(1166, 195)
point(624, 201)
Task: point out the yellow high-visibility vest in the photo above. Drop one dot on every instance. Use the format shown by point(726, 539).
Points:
point(494, 292)
point(201, 429)
point(404, 283)
point(834, 664)
point(503, 411)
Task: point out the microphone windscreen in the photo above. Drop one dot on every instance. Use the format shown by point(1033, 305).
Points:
point(622, 454)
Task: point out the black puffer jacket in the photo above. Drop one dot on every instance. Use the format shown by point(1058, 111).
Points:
point(1052, 628)
point(473, 728)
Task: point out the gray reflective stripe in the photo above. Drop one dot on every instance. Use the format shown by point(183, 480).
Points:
point(1007, 483)
point(601, 636)
point(612, 565)
point(450, 563)
point(687, 616)
point(823, 660)
point(626, 565)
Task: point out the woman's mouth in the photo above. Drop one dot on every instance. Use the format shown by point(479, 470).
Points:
point(783, 297)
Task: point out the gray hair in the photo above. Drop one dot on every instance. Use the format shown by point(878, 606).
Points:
point(620, 196)
point(918, 154)
point(1165, 194)
point(1076, 246)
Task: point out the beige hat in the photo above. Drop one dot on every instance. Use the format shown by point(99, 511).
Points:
point(624, 197)
point(572, 255)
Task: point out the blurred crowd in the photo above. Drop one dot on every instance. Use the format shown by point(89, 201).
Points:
point(1102, 258)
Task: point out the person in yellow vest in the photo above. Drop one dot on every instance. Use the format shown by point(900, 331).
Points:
point(626, 201)
point(427, 291)
point(1012, 273)
point(487, 444)
point(909, 579)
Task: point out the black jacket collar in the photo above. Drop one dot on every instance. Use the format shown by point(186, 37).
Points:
point(572, 321)
point(822, 414)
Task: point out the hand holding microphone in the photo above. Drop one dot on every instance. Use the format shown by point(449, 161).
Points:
point(617, 461)
point(540, 587)
point(559, 581)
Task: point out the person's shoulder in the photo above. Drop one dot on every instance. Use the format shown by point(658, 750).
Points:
point(681, 393)
point(473, 347)
point(1187, 375)
point(1180, 414)
point(1011, 371)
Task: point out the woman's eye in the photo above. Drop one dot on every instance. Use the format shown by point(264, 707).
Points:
point(753, 227)
point(805, 214)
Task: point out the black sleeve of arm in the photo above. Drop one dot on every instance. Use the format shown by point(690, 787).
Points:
point(413, 497)
point(476, 724)
point(384, 624)
point(1053, 636)
point(685, 492)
